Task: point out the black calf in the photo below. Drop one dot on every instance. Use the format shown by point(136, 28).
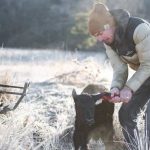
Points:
point(92, 118)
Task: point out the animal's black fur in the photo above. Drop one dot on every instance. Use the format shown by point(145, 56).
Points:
point(92, 119)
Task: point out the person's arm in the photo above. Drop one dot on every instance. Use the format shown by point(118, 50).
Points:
point(120, 69)
point(142, 40)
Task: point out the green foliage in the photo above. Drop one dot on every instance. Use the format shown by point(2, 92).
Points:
point(79, 32)
point(35, 23)
point(47, 23)
point(81, 24)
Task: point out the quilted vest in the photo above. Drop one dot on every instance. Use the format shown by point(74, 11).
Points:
point(125, 46)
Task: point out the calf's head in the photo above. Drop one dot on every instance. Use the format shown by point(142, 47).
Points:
point(85, 107)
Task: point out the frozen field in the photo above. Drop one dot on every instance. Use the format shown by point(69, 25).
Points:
point(47, 112)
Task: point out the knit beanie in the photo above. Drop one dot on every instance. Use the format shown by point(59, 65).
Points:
point(100, 19)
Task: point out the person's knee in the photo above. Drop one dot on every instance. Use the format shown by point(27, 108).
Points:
point(126, 117)
point(122, 116)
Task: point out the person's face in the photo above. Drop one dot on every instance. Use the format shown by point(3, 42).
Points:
point(106, 36)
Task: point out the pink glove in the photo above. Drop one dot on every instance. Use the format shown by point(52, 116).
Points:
point(115, 95)
point(126, 94)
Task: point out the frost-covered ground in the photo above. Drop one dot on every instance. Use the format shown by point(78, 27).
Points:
point(45, 118)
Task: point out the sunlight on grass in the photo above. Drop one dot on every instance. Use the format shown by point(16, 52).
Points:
point(45, 118)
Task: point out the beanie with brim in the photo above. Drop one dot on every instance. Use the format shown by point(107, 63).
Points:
point(100, 19)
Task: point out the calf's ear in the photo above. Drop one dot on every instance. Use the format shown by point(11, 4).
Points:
point(96, 97)
point(74, 94)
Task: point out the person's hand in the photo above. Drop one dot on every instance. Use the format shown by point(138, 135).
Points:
point(126, 94)
point(115, 95)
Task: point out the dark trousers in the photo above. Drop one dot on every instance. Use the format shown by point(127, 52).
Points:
point(128, 114)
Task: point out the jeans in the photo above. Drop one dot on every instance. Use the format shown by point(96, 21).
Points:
point(128, 113)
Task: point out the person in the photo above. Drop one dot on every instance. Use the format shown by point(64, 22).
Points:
point(127, 43)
